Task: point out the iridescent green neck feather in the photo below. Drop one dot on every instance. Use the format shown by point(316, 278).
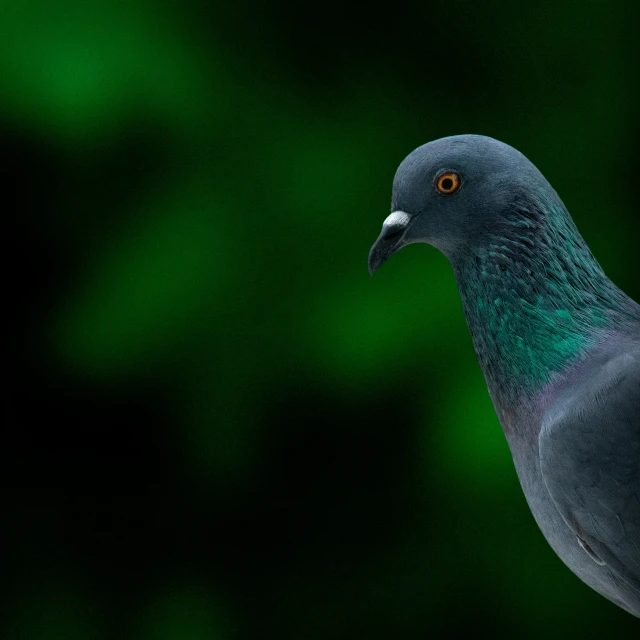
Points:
point(534, 297)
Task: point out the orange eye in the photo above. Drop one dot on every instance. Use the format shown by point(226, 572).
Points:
point(448, 183)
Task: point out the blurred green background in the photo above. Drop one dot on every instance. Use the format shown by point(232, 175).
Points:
point(219, 426)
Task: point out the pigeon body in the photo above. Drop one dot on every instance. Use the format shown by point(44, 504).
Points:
point(558, 342)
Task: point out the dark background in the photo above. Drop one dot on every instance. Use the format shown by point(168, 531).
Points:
point(219, 426)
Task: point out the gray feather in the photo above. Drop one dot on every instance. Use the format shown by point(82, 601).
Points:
point(558, 343)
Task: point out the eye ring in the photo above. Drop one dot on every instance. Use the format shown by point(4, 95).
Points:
point(448, 183)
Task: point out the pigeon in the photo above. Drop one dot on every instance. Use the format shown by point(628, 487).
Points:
point(557, 341)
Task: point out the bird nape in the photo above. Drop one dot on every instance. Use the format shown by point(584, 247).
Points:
point(558, 342)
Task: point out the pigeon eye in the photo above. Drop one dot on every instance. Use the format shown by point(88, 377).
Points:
point(448, 182)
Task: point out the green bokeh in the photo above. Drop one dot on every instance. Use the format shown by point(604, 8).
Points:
point(216, 178)
point(184, 611)
point(57, 607)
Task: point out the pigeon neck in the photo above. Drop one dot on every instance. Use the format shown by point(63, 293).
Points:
point(535, 300)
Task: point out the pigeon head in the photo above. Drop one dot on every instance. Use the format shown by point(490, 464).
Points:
point(453, 193)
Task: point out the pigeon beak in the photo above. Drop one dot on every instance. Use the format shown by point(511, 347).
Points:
point(390, 239)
